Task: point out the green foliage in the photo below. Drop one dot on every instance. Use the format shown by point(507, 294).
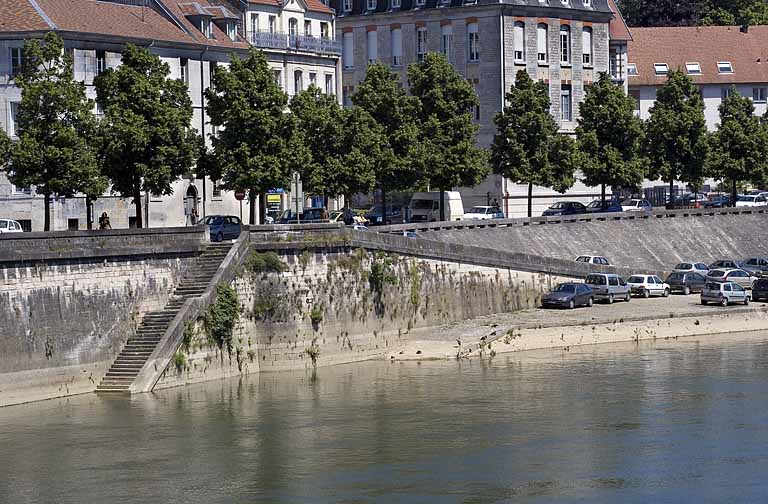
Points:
point(527, 147)
point(316, 316)
point(676, 138)
point(610, 137)
point(222, 316)
point(447, 155)
point(304, 259)
point(56, 150)
point(694, 12)
point(258, 145)
point(189, 334)
point(415, 275)
point(265, 262)
point(180, 362)
point(381, 273)
point(740, 145)
point(146, 138)
point(313, 352)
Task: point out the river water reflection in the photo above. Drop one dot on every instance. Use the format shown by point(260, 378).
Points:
point(662, 422)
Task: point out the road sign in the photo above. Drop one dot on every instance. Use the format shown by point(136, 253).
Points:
point(239, 195)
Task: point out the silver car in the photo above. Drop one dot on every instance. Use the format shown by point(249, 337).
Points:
point(756, 265)
point(724, 293)
point(738, 276)
point(608, 287)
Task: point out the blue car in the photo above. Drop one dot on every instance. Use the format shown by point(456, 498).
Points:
point(223, 227)
point(598, 207)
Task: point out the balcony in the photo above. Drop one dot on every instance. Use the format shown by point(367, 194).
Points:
point(277, 40)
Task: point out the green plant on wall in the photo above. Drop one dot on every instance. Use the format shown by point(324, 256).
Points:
point(180, 362)
point(316, 316)
point(304, 258)
point(264, 262)
point(415, 274)
point(313, 352)
point(189, 334)
point(222, 316)
point(381, 273)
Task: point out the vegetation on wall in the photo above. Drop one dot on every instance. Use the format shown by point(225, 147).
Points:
point(264, 262)
point(222, 316)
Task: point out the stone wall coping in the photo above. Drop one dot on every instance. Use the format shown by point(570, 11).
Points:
point(315, 226)
point(600, 217)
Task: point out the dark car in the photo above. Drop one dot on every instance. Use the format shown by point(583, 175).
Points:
point(568, 295)
point(726, 264)
point(597, 206)
point(376, 217)
point(565, 208)
point(756, 265)
point(686, 282)
point(718, 201)
point(760, 290)
point(223, 227)
point(309, 215)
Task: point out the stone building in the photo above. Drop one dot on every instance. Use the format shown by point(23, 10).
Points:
point(565, 43)
point(192, 37)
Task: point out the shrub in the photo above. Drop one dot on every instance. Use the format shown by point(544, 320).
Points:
point(265, 262)
point(222, 316)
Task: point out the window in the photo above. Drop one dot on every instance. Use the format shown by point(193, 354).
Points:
point(632, 69)
point(586, 46)
point(293, 27)
point(759, 94)
point(397, 46)
point(541, 40)
point(347, 53)
point(17, 60)
point(232, 30)
point(661, 68)
point(298, 82)
point(693, 68)
point(370, 5)
point(312, 79)
point(324, 30)
point(566, 104)
point(446, 41)
point(254, 23)
point(395, 4)
point(724, 67)
point(347, 95)
point(329, 90)
point(272, 24)
point(206, 27)
point(473, 39)
point(373, 46)
point(184, 70)
point(421, 43)
point(347, 7)
point(216, 189)
point(421, 3)
point(587, 3)
point(565, 44)
point(73, 224)
point(519, 41)
point(101, 61)
point(308, 28)
point(725, 92)
point(278, 77)
point(13, 113)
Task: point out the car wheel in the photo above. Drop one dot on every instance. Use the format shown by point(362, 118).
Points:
point(686, 291)
point(627, 297)
point(590, 302)
point(724, 301)
point(646, 293)
point(746, 301)
point(571, 304)
point(220, 237)
point(705, 303)
point(610, 299)
point(666, 292)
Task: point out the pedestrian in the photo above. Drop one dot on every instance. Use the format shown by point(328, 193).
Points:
point(193, 216)
point(104, 221)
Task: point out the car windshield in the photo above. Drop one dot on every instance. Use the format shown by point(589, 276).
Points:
point(213, 220)
point(595, 280)
point(636, 279)
point(762, 283)
point(565, 288)
point(679, 277)
point(713, 286)
point(746, 198)
point(558, 206)
point(421, 204)
point(684, 266)
point(716, 273)
point(629, 202)
point(478, 210)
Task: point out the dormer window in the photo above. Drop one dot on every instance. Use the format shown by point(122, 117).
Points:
point(661, 68)
point(724, 67)
point(421, 3)
point(693, 68)
point(632, 69)
point(396, 4)
point(206, 27)
point(371, 5)
point(232, 30)
point(587, 3)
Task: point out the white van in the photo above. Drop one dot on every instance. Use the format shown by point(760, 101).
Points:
point(425, 206)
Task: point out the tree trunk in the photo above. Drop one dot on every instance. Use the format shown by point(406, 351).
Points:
point(442, 205)
point(530, 199)
point(263, 208)
point(603, 197)
point(252, 206)
point(733, 193)
point(88, 213)
point(47, 222)
point(137, 202)
point(671, 193)
point(383, 207)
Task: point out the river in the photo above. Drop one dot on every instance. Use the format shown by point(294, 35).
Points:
point(668, 421)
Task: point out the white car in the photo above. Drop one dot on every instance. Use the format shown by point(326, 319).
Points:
point(691, 267)
point(483, 213)
point(597, 260)
point(636, 205)
point(647, 286)
point(749, 200)
point(10, 226)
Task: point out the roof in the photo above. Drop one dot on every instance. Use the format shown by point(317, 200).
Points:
point(359, 7)
point(113, 19)
point(706, 45)
point(618, 27)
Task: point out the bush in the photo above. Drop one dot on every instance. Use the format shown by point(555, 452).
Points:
point(316, 316)
point(222, 316)
point(265, 262)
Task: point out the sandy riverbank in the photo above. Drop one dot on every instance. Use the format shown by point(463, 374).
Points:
point(639, 320)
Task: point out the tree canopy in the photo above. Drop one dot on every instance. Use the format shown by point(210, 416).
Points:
point(527, 147)
point(694, 12)
point(55, 151)
point(448, 156)
point(147, 140)
point(610, 137)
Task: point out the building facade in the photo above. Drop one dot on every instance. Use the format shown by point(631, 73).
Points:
point(565, 43)
point(192, 37)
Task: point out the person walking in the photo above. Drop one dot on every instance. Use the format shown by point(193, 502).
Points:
point(104, 221)
point(193, 216)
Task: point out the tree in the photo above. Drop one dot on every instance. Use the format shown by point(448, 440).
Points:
point(661, 12)
point(740, 145)
point(56, 128)
point(380, 95)
point(610, 137)
point(676, 138)
point(448, 156)
point(527, 147)
point(258, 146)
point(340, 144)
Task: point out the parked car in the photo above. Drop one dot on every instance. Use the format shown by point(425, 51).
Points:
point(598, 207)
point(597, 260)
point(565, 208)
point(636, 205)
point(608, 287)
point(695, 200)
point(760, 289)
point(724, 293)
point(647, 286)
point(568, 295)
point(10, 226)
point(694, 267)
point(746, 200)
point(484, 213)
point(376, 217)
point(686, 282)
point(726, 264)
point(756, 265)
point(736, 276)
point(223, 227)
point(717, 201)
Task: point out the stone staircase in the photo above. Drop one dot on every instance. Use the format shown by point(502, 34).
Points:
point(153, 326)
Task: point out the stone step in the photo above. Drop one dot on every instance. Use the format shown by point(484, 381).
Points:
point(159, 318)
point(138, 347)
point(104, 389)
point(112, 374)
point(114, 380)
point(137, 353)
point(127, 367)
point(126, 359)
